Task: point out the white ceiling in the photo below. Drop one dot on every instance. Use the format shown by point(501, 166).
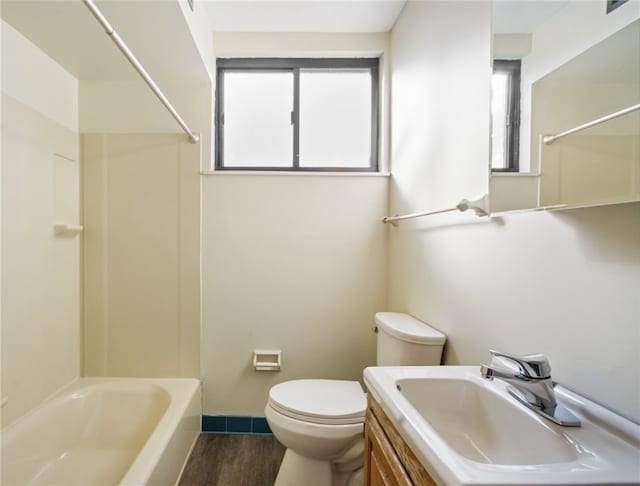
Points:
point(509, 16)
point(67, 32)
point(303, 15)
point(522, 16)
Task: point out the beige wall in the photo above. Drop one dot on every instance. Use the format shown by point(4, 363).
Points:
point(296, 263)
point(440, 82)
point(564, 283)
point(200, 27)
point(53, 91)
point(40, 186)
point(513, 190)
point(141, 255)
point(131, 107)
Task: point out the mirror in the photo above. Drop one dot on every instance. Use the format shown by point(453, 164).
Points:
point(573, 64)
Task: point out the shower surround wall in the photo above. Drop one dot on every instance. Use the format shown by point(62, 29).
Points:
point(141, 201)
point(40, 186)
point(139, 256)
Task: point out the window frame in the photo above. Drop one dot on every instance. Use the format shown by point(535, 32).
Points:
point(294, 65)
point(614, 4)
point(512, 67)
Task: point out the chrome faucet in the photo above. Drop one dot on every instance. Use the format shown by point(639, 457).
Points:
point(531, 384)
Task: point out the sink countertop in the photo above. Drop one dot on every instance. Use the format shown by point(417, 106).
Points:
point(604, 450)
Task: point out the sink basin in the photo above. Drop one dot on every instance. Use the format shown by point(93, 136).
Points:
point(482, 425)
point(466, 430)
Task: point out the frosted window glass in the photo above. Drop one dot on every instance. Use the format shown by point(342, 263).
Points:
point(335, 118)
point(257, 124)
point(499, 93)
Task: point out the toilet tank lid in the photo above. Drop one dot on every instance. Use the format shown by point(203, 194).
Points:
point(408, 328)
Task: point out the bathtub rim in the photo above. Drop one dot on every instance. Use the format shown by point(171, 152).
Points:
point(182, 392)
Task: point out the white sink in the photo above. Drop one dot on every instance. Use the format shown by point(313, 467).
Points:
point(468, 430)
point(481, 425)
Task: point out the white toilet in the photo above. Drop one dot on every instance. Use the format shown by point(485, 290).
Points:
point(321, 422)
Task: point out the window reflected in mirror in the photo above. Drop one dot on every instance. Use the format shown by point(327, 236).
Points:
point(505, 115)
point(564, 159)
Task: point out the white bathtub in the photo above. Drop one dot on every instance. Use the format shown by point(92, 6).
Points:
point(105, 431)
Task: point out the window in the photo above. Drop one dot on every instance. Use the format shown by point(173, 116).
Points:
point(297, 114)
point(614, 4)
point(505, 115)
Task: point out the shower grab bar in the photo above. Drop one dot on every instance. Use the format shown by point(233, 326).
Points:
point(480, 206)
point(110, 31)
point(549, 139)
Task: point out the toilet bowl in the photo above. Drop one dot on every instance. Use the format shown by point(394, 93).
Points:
point(321, 422)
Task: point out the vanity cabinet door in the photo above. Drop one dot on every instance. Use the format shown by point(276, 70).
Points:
point(382, 466)
point(388, 460)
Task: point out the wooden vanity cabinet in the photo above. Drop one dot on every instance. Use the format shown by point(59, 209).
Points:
point(388, 461)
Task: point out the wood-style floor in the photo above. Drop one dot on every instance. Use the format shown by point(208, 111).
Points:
point(233, 460)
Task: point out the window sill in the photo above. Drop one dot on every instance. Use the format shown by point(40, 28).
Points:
point(291, 173)
point(515, 174)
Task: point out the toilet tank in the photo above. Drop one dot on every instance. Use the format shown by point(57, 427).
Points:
point(403, 340)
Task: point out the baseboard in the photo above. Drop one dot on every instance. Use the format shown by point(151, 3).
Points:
point(235, 424)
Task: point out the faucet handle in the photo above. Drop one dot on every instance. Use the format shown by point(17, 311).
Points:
point(531, 365)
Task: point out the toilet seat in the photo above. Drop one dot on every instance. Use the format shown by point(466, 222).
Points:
point(328, 402)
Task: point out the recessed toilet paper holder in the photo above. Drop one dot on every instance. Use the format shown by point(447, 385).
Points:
point(267, 359)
